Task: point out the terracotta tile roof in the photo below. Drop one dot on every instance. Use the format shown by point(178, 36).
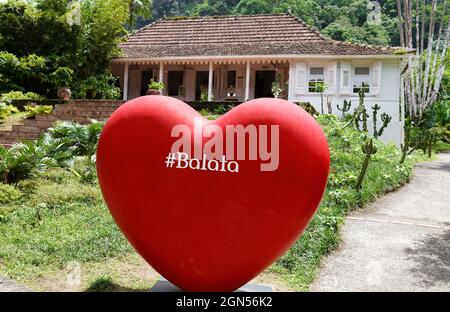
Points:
point(273, 34)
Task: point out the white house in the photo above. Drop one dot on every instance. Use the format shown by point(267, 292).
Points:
point(237, 58)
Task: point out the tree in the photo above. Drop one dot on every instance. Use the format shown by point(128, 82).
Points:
point(38, 40)
point(246, 7)
point(213, 7)
point(426, 70)
point(138, 8)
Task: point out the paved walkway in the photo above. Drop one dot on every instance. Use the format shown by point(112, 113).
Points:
point(401, 242)
point(9, 286)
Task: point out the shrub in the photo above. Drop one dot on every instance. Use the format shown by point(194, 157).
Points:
point(85, 170)
point(23, 160)
point(34, 110)
point(19, 95)
point(97, 87)
point(62, 77)
point(8, 194)
point(66, 139)
point(222, 109)
point(308, 107)
point(6, 110)
point(155, 85)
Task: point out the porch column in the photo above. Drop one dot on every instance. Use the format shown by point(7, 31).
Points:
point(210, 81)
point(161, 74)
point(125, 81)
point(247, 82)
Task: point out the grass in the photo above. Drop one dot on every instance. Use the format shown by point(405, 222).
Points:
point(53, 220)
point(56, 220)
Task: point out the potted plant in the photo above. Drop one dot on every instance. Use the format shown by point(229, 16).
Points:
point(277, 89)
point(321, 87)
point(155, 87)
point(62, 78)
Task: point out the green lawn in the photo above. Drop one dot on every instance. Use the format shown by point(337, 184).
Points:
point(52, 220)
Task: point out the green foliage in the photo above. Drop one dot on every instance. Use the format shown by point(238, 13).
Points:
point(8, 194)
point(222, 109)
point(218, 111)
point(345, 108)
point(208, 114)
point(6, 110)
point(43, 51)
point(23, 160)
point(248, 7)
point(85, 170)
point(98, 87)
point(101, 284)
point(138, 8)
point(211, 8)
point(57, 220)
point(18, 73)
point(67, 139)
point(309, 108)
point(101, 30)
point(62, 77)
point(385, 118)
point(277, 89)
point(34, 110)
point(156, 85)
point(18, 95)
point(423, 134)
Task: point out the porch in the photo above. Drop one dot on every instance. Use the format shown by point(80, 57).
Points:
point(232, 80)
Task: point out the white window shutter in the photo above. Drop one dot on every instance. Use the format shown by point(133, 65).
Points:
point(330, 77)
point(376, 77)
point(300, 78)
point(346, 78)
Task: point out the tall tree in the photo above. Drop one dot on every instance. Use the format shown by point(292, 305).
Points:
point(426, 69)
point(138, 8)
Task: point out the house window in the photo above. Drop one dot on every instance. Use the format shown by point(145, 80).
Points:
point(361, 80)
point(175, 83)
point(316, 78)
point(231, 83)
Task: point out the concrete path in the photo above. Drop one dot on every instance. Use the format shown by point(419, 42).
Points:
point(9, 286)
point(401, 242)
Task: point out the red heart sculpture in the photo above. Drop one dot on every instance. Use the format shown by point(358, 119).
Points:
point(209, 230)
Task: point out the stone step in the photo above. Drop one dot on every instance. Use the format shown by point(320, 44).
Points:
point(82, 113)
point(24, 128)
point(38, 123)
point(68, 107)
point(76, 111)
point(90, 110)
point(7, 141)
point(24, 135)
point(46, 117)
